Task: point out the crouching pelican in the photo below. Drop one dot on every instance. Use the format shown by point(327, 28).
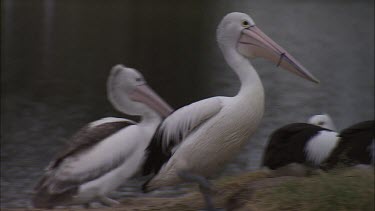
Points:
point(105, 153)
point(356, 146)
point(303, 143)
point(197, 140)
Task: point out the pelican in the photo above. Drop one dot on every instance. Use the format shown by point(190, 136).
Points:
point(105, 153)
point(195, 141)
point(356, 146)
point(303, 143)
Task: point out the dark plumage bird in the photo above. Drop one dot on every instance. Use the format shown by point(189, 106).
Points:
point(301, 143)
point(357, 146)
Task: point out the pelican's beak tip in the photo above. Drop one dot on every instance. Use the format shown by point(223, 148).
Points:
point(315, 80)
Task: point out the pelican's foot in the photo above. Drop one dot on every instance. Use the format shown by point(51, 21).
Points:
point(205, 187)
point(109, 202)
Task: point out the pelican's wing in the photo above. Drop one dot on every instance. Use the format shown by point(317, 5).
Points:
point(355, 129)
point(283, 142)
point(356, 143)
point(90, 135)
point(175, 128)
point(56, 178)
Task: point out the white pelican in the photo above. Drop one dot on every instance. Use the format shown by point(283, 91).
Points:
point(198, 139)
point(356, 146)
point(105, 153)
point(301, 143)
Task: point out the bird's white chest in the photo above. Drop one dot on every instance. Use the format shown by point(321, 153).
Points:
point(320, 146)
point(222, 137)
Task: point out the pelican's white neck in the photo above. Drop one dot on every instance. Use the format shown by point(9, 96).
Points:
point(242, 67)
point(247, 106)
point(123, 104)
point(150, 117)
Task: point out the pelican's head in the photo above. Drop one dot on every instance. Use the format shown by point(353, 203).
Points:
point(128, 92)
point(238, 31)
point(322, 120)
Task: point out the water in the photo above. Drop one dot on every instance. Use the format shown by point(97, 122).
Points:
point(56, 56)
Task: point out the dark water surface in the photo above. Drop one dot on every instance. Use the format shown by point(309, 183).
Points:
point(56, 55)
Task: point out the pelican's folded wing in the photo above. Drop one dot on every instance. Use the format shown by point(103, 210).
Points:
point(62, 173)
point(175, 129)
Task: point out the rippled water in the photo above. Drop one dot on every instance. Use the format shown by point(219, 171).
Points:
point(56, 56)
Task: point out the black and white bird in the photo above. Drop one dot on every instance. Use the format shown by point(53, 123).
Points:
point(305, 143)
point(356, 146)
point(197, 140)
point(104, 154)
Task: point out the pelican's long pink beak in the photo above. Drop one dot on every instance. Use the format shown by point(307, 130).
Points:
point(144, 94)
point(254, 43)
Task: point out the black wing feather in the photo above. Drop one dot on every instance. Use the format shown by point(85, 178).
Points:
point(156, 154)
point(354, 146)
point(287, 144)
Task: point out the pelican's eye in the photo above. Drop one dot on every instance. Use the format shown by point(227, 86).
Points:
point(138, 79)
point(245, 23)
point(320, 123)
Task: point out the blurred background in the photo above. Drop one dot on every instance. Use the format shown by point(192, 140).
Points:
point(56, 56)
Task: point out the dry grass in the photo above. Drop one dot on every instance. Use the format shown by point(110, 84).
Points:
point(224, 188)
point(348, 189)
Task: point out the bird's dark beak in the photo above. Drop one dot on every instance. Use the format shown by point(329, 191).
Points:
point(254, 43)
point(144, 94)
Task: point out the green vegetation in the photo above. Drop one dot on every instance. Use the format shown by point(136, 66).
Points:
point(338, 190)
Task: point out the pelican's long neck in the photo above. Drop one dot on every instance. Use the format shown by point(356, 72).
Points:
point(250, 81)
point(248, 105)
point(149, 123)
point(150, 118)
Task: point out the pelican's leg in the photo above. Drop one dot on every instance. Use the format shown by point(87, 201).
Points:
point(108, 201)
point(204, 187)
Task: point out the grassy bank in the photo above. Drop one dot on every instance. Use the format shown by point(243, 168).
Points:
point(338, 190)
point(345, 189)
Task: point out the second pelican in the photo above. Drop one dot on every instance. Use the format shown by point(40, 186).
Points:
point(104, 154)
